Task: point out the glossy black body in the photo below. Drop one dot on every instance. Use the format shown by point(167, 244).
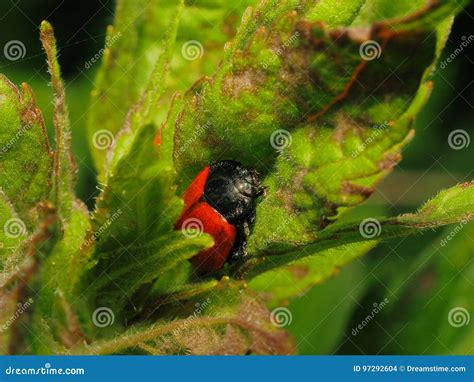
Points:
point(232, 190)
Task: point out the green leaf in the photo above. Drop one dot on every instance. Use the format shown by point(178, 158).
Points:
point(25, 155)
point(279, 103)
point(137, 210)
point(64, 166)
point(145, 112)
point(336, 161)
point(279, 285)
point(434, 295)
point(12, 233)
point(29, 170)
point(8, 309)
point(205, 27)
point(449, 206)
point(228, 321)
point(137, 46)
point(255, 71)
point(321, 316)
point(134, 225)
point(55, 260)
point(296, 96)
point(119, 81)
point(20, 283)
point(296, 278)
point(59, 308)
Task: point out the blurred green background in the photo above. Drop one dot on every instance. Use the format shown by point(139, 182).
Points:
point(421, 279)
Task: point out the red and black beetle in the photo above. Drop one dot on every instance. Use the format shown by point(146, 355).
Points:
point(222, 198)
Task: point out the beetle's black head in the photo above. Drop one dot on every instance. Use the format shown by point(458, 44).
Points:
point(232, 189)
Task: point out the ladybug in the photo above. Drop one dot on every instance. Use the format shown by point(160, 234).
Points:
point(221, 201)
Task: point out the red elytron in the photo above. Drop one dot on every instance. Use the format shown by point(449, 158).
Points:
point(221, 202)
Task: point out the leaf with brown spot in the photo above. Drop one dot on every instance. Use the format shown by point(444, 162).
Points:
point(25, 155)
point(345, 120)
point(305, 103)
